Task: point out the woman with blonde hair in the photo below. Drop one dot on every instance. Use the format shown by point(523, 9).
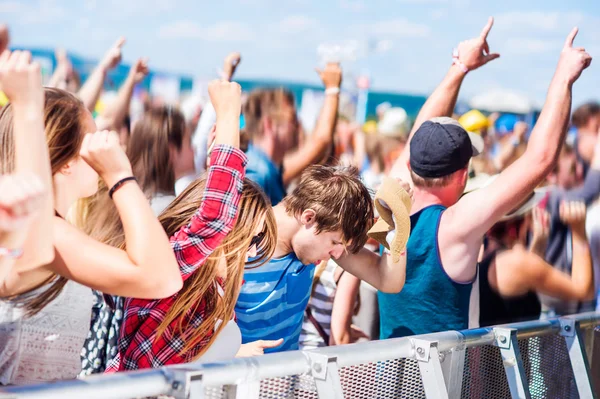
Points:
point(215, 225)
point(46, 310)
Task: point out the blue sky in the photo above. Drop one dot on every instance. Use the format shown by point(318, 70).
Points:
point(279, 38)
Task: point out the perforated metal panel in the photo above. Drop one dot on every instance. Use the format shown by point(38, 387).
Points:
point(484, 375)
point(214, 393)
point(548, 368)
point(298, 386)
point(392, 379)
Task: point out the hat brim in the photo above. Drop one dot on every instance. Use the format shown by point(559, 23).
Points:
point(477, 143)
point(480, 180)
point(537, 196)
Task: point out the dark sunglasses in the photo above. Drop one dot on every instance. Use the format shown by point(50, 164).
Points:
point(256, 240)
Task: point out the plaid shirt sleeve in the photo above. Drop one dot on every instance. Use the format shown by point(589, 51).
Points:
point(217, 214)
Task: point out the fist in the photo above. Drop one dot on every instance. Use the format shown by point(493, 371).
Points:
point(573, 213)
point(113, 56)
point(103, 152)
point(541, 223)
point(21, 196)
point(520, 130)
point(331, 75)
point(572, 60)
point(225, 96)
point(139, 70)
point(21, 79)
point(407, 188)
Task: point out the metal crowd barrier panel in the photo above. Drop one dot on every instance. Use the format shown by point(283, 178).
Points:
point(556, 358)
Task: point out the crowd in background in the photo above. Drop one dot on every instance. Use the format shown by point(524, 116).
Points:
point(132, 241)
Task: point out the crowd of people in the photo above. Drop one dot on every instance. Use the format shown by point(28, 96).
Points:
point(133, 243)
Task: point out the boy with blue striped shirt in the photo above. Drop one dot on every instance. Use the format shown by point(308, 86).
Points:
point(327, 216)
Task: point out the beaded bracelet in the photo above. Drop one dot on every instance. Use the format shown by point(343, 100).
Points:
point(119, 184)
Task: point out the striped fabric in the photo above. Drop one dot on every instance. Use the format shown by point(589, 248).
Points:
point(272, 301)
point(321, 305)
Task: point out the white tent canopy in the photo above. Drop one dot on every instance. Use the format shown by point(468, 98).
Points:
point(503, 100)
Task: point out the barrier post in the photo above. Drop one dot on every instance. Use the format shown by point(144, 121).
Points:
point(432, 375)
point(453, 366)
point(571, 331)
point(324, 370)
point(506, 340)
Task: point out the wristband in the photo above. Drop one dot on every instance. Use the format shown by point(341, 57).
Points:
point(456, 61)
point(119, 184)
point(11, 253)
point(332, 91)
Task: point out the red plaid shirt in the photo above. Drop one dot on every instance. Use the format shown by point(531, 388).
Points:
point(138, 344)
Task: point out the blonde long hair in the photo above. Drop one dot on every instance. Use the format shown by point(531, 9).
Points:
point(202, 285)
point(63, 115)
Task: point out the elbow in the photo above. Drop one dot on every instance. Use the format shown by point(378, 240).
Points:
point(165, 288)
point(543, 158)
point(392, 287)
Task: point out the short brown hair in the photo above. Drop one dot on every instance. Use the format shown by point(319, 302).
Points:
point(340, 201)
point(431, 182)
point(583, 113)
point(261, 103)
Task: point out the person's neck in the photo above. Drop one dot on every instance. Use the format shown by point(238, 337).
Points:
point(427, 197)
point(63, 198)
point(287, 227)
point(269, 147)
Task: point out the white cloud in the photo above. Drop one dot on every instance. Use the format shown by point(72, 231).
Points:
point(297, 24)
point(224, 31)
point(9, 7)
point(549, 21)
point(529, 46)
point(400, 27)
point(353, 5)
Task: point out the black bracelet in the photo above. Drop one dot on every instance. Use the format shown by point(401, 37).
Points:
point(119, 184)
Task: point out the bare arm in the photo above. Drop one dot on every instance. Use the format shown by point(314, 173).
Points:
point(343, 309)
point(316, 146)
point(21, 80)
point(459, 235)
point(61, 74)
point(147, 268)
point(473, 54)
point(379, 271)
point(92, 88)
point(508, 151)
point(114, 114)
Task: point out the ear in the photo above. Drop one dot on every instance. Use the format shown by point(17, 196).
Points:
point(67, 169)
point(408, 164)
point(308, 218)
point(464, 175)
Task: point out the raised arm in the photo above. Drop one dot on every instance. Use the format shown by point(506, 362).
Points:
point(344, 304)
point(478, 211)
point(62, 71)
point(316, 146)
point(517, 272)
point(216, 216)
point(114, 114)
point(147, 267)
point(471, 54)
point(21, 81)
point(92, 88)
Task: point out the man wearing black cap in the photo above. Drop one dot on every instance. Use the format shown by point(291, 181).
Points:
point(446, 234)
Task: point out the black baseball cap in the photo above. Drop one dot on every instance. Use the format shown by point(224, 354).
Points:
point(441, 146)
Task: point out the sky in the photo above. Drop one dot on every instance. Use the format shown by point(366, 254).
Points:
point(403, 45)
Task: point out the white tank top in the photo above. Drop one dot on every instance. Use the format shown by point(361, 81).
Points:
point(47, 346)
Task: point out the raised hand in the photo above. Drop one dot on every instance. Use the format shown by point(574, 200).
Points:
point(225, 97)
point(103, 152)
point(230, 64)
point(113, 56)
point(573, 60)
point(541, 224)
point(21, 197)
point(573, 214)
point(331, 76)
point(475, 52)
point(139, 70)
point(257, 348)
point(21, 79)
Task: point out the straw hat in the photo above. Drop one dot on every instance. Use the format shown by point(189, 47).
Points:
point(393, 204)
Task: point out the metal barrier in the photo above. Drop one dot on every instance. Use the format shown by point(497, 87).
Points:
point(556, 358)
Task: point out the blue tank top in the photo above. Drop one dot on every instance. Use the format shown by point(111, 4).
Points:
point(430, 300)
